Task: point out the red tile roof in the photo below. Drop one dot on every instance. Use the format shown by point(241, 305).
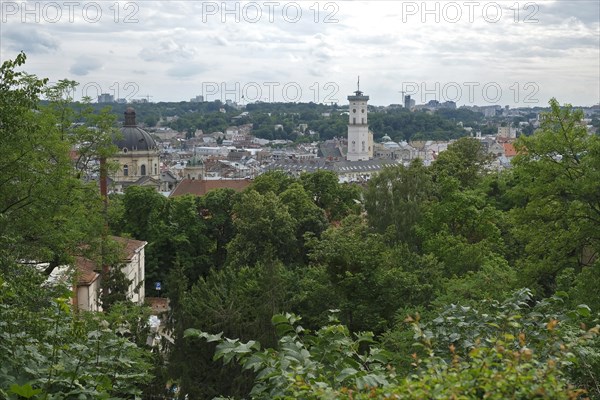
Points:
point(509, 150)
point(201, 187)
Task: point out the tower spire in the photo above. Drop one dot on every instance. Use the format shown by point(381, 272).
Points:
point(358, 84)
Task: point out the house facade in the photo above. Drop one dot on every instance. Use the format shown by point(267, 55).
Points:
point(89, 275)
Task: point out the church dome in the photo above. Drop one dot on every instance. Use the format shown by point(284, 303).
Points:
point(134, 138)
point(386, 138)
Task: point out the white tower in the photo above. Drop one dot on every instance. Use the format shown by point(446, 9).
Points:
point(360, 140)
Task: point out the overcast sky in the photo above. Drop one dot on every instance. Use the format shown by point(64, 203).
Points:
point(515, 53)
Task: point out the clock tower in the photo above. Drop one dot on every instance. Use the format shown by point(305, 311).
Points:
point(360, 140)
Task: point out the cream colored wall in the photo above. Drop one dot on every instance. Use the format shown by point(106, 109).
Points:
point(87, 296)
point(134, 271)
point(134, 160)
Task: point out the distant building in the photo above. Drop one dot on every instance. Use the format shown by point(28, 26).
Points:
point(360, 139)
point(194, 168)
point(407, 102)
point(506, 132)
point(197, 99)
point(106, 98)
point(137, 158)
point(347, 171)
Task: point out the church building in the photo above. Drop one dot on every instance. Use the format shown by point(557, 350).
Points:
point(137, 157)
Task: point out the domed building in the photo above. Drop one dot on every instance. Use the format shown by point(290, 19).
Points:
point(137, 158)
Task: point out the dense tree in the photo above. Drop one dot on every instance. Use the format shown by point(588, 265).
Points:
point(49, 352)
point(308, 216)
point(272, 181)
point(237, 301)
point(370, 280)
point(46, 211)
point(338, 200)
point(465, 160)
point(216, 209)
point(395, 199)
point(141, 205)
point(264, 230)
point(511, 350)
point(558, 195)
point(461, 230)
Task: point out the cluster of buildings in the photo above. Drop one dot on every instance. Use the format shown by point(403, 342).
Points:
point(175, 166)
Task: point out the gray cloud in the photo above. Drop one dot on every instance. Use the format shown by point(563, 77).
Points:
point(31, 41)
point(586, 11)
point(167, 50)
point(173, 41)
point(84, 65)
point(186, 70)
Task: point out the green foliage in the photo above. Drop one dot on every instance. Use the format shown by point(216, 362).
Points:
point(494, 280)
point(461, 230)
point(272, 181)
point(216, 208)
point(264, 229)
point(370, 280)
point(337, 200)
point(557, 190)
point(395, 198)
point(114, 287)
point(141, 206)
point(237, 301)
point(333, 363)
point(464, 160)
point(46, 211)
point(47, 352)
point(332, 358)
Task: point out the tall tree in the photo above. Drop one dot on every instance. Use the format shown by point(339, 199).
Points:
point(465, 160)
point(265, 230)
point(558, 192)
point(46, 211)
point(395, 199)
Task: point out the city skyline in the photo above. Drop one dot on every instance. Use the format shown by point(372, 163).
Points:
point(474, 53)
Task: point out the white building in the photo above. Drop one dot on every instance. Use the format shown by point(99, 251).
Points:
point(360, 140)
point(88, 275)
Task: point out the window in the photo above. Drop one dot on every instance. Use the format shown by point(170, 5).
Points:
point(125, 170)
point(363, 146)
point(143, 170)
point(362, 111)
point(363, 121)
point(155, 169)
point(354, 110)
point(354, 121)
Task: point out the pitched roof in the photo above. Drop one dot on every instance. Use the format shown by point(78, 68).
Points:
point(201, 187)
point(86, 271)
point(130, 246)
